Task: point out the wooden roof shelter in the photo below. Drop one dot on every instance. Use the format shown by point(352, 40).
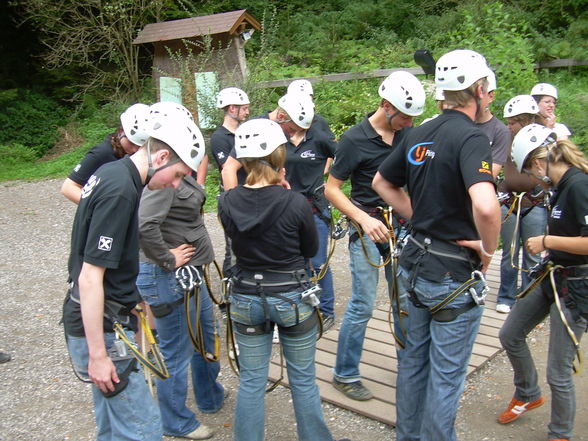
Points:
point(223, 60)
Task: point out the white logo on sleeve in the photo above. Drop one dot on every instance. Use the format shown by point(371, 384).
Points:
point(221, 155)
point(556, 212)
point(92, 182)
point(105, 243)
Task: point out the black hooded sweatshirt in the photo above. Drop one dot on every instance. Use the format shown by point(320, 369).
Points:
point(270, 228)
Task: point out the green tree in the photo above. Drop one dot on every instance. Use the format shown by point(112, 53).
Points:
point(96, 37)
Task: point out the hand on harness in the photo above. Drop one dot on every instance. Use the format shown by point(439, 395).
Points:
point(485, 255)
point(375, 229)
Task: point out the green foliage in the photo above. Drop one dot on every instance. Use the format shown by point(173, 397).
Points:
point(29, 119)
point(572, 104)
point(504, 40)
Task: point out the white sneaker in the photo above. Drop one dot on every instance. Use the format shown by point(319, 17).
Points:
point(502, 308)
point(276, 337)
point(203, 432)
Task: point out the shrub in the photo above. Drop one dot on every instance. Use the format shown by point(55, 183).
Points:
point(29, 119)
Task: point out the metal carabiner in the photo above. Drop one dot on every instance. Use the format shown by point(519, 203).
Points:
point(479, 298)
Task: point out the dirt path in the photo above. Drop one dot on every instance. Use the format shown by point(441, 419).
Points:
point(41, 400)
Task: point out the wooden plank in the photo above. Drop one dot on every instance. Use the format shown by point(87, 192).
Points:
point(378, 364)
point(563, 62)
point(376, 73)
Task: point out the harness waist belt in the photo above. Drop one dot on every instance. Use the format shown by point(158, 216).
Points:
point(271, 278)
point(575, 271)
point(438, 247)
point(372, 211)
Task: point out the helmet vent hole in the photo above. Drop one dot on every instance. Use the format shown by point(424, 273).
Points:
point(263, 145)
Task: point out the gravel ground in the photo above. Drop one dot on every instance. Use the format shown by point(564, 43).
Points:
point(40, 399)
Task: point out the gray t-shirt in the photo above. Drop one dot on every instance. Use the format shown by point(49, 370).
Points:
point(499, 137)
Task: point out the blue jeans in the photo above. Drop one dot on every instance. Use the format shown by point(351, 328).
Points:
point(327, 306)
point(526, 314)
point(433, 366)
point(364, 288)
point(158, 286)
point(533, 224)
point(254, 358)
point(132, 415)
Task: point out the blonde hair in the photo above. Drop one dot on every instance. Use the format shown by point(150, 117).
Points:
point(562, 151)
point(461, 98)
point(258, 171)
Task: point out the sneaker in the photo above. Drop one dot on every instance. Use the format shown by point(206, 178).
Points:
point(354, 390)
point(502, 308)
point(276, 336)
point(516, 408)
point(203, 432)
point(328, 322)
point(4, 357)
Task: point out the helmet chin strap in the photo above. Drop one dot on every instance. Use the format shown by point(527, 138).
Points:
point(236, 118)
point(150, 170)
point(389, 118)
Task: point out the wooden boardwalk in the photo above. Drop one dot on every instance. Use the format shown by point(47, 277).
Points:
point(379, 365)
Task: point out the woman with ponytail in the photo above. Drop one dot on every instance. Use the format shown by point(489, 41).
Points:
point(273, 235)
point(562, 282)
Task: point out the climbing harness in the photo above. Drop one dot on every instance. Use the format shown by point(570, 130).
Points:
point(208, 280)
point(440, 312)
point(548, 269)
point(188, 276)
point(123, 348)
point(259, 280)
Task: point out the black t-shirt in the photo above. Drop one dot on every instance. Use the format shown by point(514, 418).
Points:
point(360, 152)
point(438, 162)
point(97, 156)
point(222, 145)
point(105, 233)
point(305, 163)
point(569, 214)
point(320, 125)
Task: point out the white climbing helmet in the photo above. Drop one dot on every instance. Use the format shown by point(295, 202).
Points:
point(300, 86)
point(459, 69)
point(165, 108)
point(299, 108)
point(404, 91)
point(528, 139)
point(181, 134)
point(231, 96)
point(544, 89)
point(491, 80)
point(134, 122)
point(258, 138)
point(520, 104)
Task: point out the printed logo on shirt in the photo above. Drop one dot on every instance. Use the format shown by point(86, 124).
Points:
point(556, 212)
point(221, 155)
point(419, 152)
point(485, 168)
point(92, 182)
point(105, 243)
point(77, 167)
point(308, 154)
point(586, 219)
